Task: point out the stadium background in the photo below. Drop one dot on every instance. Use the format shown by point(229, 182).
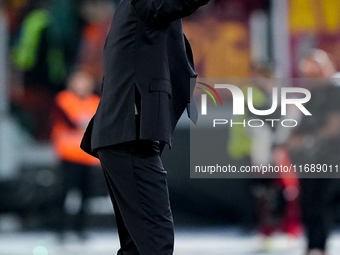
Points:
point(227, 36)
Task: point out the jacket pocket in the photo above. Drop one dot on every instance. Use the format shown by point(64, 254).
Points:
point(160, 106)
point(161, 85)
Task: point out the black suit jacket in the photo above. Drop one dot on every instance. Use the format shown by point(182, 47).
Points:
point(145, 54)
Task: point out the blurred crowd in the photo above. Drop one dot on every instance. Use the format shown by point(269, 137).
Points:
point(49, 41)
point(56, 67)
point(293, 199)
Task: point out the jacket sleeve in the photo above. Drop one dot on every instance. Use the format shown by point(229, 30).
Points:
point(158, 13)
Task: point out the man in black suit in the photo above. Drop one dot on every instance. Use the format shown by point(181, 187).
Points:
point(316, 141)
point(148, 64)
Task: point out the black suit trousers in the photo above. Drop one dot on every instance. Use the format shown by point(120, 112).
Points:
point(317, 204)
point(138, 189)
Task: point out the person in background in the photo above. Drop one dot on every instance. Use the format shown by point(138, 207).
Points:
point(73, 109)
point(44, 51)
point(273, 211)
point(316, 141)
